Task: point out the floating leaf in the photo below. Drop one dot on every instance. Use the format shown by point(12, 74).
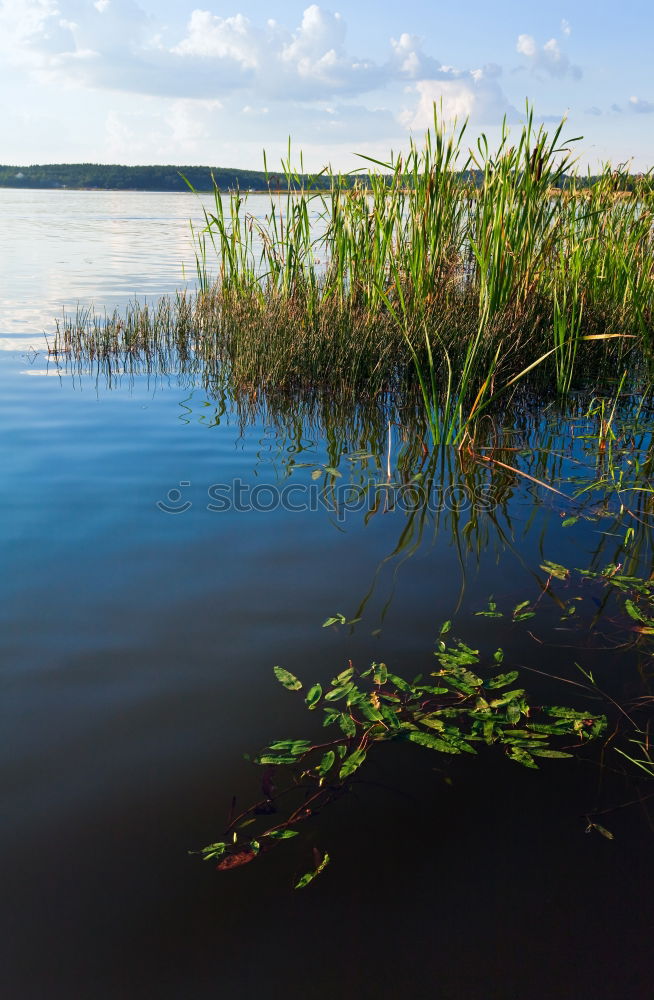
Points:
point(268, 758)
point(491, 611)
point(314, 695)
point(214, 851)
point(633, 611)
point(343, 677)
point(501, 680)
point(522, 757)
point(309, 877)
point(333, 472)
point(282, 834)
point(368, 705)
point(556, 570)
point(296, 747)
point(550, 753)
point(433, 742)
point(336, 693)
point(288, 679)
point(569, 521)
point(326, 763)
point(347, 724)
point(600, 829)
point(331, 714)
point(562, 712)
point(236, 860)
point(316, 474)
point(380, 673)
point(513, 712)
point(334, 620)
point(445, 627)
point(519, 614)
point(352, 763)
point(433, 722)
point(399, 682)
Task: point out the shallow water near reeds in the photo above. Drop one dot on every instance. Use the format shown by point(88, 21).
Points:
point(138, 646)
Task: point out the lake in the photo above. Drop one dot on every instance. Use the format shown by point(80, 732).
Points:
point(140, 626)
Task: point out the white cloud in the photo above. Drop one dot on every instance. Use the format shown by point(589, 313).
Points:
point(212, 37)
point(565, 28)
point(476, 95)
point(214, 56)
point(641, 106)
point(548, 58)
point(408, 59)
point(526, 45)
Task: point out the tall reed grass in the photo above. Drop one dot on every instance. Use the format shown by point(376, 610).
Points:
point(465, 269)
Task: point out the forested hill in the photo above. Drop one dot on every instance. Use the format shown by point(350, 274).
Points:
point(112, 177)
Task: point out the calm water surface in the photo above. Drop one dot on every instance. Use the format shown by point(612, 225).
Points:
point(137, 648)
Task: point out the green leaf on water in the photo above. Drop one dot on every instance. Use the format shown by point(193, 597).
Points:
point(326, 763)
point(555, 569)
point(501, 680)
point(399, 682)
point(445, 627)
point(316, 474)
point(347, 724)
point(633, 611)
point(333, 472)
point(268, 758)
point(522, 757)
point(432, 742)
point(569, 521)
point(289, 680)
point(550, 753)
point(296, 747)
point(331, 714)
point(334, 620)
point(314, 695)
point(352, 763)
point(214, 851)
point(513, 711)
point(309, 877)
point(562, 712)
point(491, 611)
point(344, 677)
point(600, 829)
point(380, 673)
point(282, 834)
point(339, 692)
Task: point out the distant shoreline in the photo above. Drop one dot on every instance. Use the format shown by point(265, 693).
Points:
point(171, 179)
point(160, 179)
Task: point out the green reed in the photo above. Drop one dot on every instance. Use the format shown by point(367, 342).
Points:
point(462, 269)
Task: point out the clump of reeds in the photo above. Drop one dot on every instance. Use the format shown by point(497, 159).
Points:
point(465, 270)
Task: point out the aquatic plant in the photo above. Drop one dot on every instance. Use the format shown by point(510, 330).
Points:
point(464, 270)
point(460, 707)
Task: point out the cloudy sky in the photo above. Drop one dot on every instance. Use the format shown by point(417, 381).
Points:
point(134, 81)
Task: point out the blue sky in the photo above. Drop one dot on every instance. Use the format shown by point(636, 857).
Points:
point(134, 81)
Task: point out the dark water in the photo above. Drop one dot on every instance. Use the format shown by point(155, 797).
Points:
point(138, 648)
point(137, 654)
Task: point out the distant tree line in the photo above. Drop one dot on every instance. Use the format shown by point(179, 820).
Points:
point(113, 177)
